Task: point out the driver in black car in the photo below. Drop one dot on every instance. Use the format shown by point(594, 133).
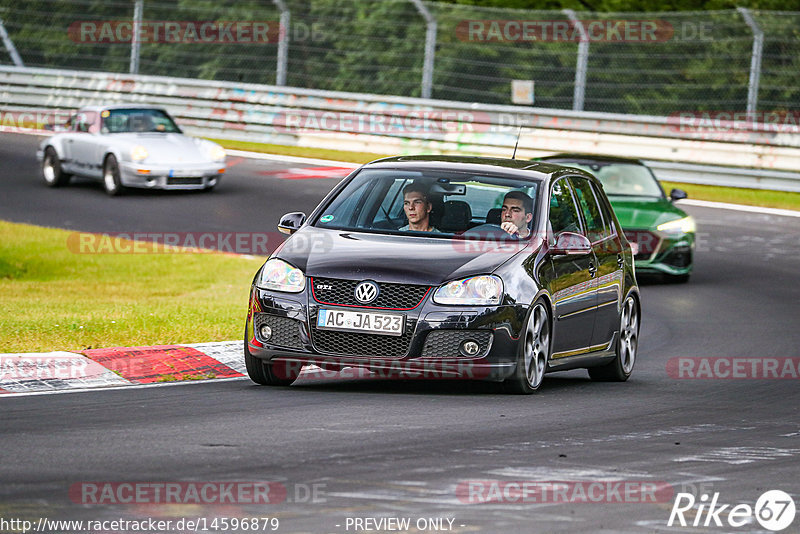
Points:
point(516, 214)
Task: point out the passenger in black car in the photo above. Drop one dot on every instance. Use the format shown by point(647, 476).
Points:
point(417, 206)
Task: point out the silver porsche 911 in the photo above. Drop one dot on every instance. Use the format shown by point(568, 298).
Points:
point(128, 145)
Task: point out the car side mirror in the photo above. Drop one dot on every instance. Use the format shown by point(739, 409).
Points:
point(291, 222)
point(677, 194)
point(570, 243)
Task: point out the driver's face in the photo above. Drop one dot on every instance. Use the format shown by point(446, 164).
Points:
point(416, 207)
point(515, 213)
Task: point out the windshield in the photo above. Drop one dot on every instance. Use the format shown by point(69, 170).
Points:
point(625, 179)
point(425, 203)
point(137, 120)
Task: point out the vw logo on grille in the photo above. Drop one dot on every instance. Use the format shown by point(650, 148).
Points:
point(366, 292)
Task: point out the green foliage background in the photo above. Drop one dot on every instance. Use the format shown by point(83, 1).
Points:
point(377, 46)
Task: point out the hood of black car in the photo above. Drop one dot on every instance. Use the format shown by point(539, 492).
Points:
point(392, 258)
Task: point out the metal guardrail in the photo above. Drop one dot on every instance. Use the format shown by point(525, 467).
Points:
point(741, 155)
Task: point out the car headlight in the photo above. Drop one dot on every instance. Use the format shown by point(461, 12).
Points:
point(212, 150)
point(216, 152)
point(477, 290)
point(278, 275)
point(138, 153)
point(679, 226)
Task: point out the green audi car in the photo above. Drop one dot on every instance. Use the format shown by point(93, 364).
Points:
point(662, 234)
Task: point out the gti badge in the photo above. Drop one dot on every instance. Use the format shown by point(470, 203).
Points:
point(366, 292)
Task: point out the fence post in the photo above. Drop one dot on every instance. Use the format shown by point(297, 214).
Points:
point(755, 61)
point(135, 41)
point(430, 48)
point(12, 50)
point(583, 58)
point(283, 43)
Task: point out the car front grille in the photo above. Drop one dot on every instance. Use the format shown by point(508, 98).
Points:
point(391, 296)
point(647, 241)
point(285, 331)
point(359, 344)
point(679, 258)
point(184, 180)
point(445, 343)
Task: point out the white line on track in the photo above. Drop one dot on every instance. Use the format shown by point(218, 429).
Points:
point(740, 207)
point(291, 159)
point(14, 395)
point(329, 162)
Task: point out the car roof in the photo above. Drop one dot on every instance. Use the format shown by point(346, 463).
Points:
point(521, 168)
point(591, 158)
point(129, 105)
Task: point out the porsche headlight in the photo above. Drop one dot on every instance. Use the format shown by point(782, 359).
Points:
point(138, 153)
point(477, 290)
point(215, 152)
point(679, 226)
point(278, 275)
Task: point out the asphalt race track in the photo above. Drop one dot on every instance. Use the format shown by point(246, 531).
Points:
point(245, 200)
point(347, 449)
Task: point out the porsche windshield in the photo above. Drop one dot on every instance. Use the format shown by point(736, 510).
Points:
point(434, 204)
point(137, 120)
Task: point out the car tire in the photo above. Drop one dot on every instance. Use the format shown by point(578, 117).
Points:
point(534, 352)
point(210, 188)
point(266, 374)
point(111, 177)
point(52, 173)
point(621, 367)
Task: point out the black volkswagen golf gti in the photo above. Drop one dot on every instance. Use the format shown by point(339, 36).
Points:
point(441, 266)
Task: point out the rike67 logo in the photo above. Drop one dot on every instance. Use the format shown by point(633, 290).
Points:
point(774, 510)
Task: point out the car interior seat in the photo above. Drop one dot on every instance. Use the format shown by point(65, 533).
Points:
point(493, 216)
point(456, 217)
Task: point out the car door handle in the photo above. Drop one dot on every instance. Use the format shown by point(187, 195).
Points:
point(592, 269)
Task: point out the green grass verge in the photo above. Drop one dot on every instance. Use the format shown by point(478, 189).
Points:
point(738, 195)
point(304, 152)
point(56, 299)
point(733, 195)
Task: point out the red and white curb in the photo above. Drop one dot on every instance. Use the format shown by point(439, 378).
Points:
point(119, 366)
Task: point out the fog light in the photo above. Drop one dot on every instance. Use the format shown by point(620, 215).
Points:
point(469, 347)
point(266, 332)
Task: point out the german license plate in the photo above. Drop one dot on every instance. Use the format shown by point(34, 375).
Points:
point(389, 324)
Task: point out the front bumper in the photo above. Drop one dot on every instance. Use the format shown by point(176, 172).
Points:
point(181, 177)
point(428, 348)
point(663, 254)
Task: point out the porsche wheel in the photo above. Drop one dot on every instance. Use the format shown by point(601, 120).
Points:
point(111, 180)
point(52, 173)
